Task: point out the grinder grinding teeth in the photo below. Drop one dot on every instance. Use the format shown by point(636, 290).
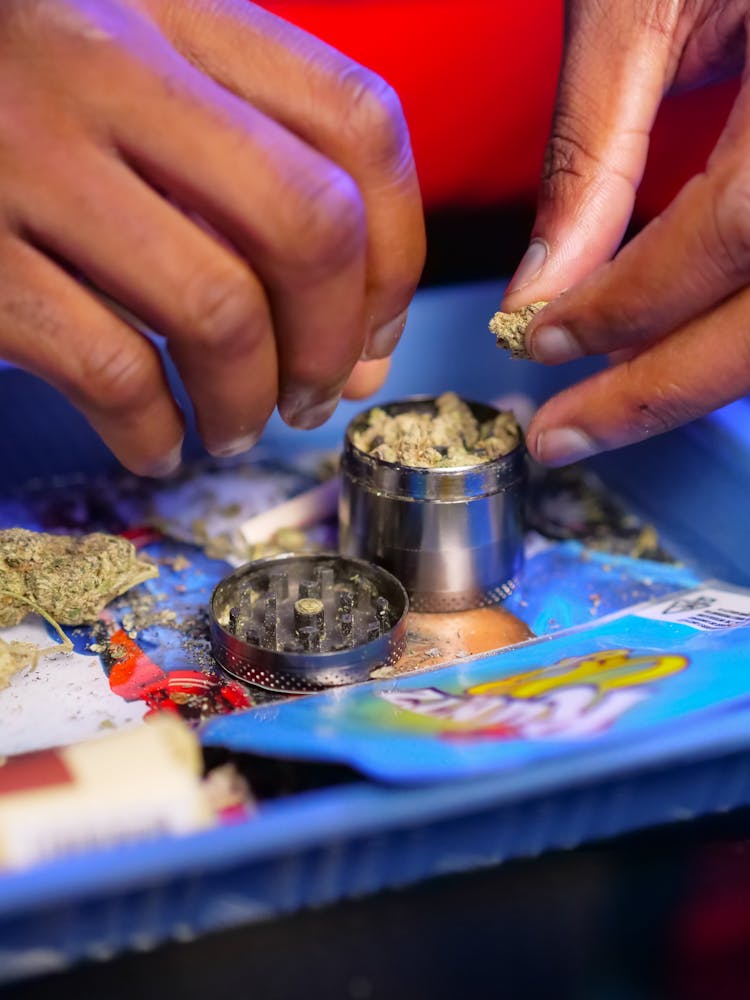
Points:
point(431, 507)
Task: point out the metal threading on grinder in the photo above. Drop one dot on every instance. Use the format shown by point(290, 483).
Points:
point(297, 623)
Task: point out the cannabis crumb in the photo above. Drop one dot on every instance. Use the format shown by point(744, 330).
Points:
point(226, 545)
point(176, 563)
point(379, 673)
point(510, 328)
point(448, 437)
point(290, 540)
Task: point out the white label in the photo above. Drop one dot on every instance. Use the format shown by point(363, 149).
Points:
point(708, 609)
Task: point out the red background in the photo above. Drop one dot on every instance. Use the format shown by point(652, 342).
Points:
point(477, 81)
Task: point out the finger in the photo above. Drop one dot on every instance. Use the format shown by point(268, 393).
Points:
point(148, 257)
point(53, 328)
point(347, 113)
point(366, 378)
point(296, 217)
point(682, 264)
point(686, 375)
point(612, 78)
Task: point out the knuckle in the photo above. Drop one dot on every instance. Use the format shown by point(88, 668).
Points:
point(658, 17)
point(661, 17)
point(614, 321)
point(662, 409)
point(68, 21)
point(566, 160)
point(321, 373)
point(20, 15)
point(579, 150)
point(116, 380)
point(649, 419)
point(325, 223)
point(372, 117)
point(223, 312)
point(307, 369)
point(729, 239)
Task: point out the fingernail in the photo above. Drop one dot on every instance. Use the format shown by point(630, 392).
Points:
point(305, 415)
point(167, 464)
point(553, 345)
point(562, 445)
point(383, 341)
point(235, 447)
point(531, 265)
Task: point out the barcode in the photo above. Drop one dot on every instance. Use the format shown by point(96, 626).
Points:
point(710, 609)
point(716, 618)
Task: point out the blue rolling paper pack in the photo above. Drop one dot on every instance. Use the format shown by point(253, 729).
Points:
point(662, 681)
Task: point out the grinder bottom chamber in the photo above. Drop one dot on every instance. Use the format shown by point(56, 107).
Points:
point(298, 623)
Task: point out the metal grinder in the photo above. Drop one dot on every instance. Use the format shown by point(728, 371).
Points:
point(297, 623)
point(452, 536)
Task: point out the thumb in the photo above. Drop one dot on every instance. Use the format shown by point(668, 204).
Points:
point(612, 78)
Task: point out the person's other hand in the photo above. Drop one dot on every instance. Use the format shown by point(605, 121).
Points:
point(231, 182)
point(673, 308)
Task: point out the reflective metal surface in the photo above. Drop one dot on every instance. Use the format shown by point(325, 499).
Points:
point(453, 537)
point(296, 623)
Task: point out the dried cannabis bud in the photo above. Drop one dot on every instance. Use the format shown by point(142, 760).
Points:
point(510, 328)
point(449, 438)
point(71, 579)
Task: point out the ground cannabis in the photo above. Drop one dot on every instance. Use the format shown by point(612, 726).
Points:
point(450, 437)
point(510, 328)
point(70, 578)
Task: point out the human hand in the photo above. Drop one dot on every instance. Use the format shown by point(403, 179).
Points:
point(673, 308)
point(231, 182)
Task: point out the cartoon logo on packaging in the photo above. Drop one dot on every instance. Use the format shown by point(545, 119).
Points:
point(577, 697)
